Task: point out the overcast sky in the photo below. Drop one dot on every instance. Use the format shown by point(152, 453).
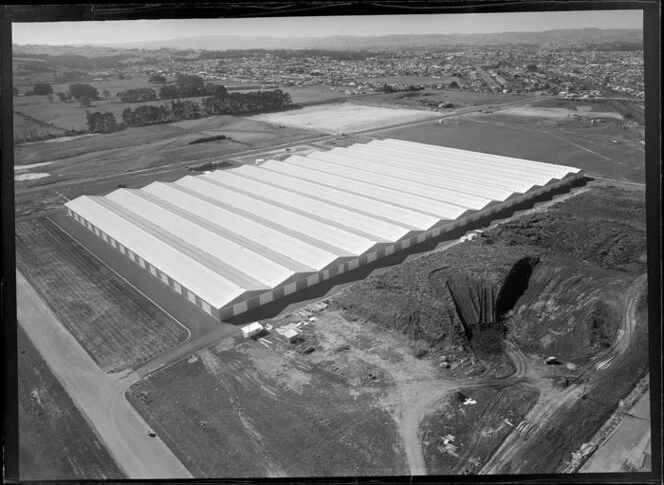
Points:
point(109, 32)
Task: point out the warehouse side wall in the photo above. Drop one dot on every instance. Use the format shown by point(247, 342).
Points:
point(141, 260)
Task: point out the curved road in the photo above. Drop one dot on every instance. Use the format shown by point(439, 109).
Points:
point(99, 396)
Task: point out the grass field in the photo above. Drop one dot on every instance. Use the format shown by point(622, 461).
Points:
point(55, 441)
point(71, 115)
point(115, 324)
point(26, 129)
point(152, 146)
point(590, 149)
point(240, 410)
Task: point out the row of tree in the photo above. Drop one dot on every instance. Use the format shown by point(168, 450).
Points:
point(150, 115)
point(222, 103)
point(137, 95)
point(244, 103)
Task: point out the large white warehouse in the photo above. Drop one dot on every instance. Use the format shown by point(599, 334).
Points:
point(232, 240)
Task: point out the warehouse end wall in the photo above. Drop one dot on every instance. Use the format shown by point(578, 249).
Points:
point(174, 285)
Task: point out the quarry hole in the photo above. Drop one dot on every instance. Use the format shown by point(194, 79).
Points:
point(515, 285)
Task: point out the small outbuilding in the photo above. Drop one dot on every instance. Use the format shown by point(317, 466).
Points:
point(291, 335)
point(252, 330)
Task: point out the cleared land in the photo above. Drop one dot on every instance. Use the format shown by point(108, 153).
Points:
point(272, 412)
point(114, 323)
point(474, 429)
point(344, 117)
point(55, 441)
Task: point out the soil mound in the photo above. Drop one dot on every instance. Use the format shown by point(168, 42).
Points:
point(569, 309)
point(605, 226)
point(452, 301)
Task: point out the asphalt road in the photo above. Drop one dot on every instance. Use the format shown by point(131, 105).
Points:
point(100, 397)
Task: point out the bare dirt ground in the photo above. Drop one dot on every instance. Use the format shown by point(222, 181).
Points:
point(555, 403)
point(115, 324)
point(272, 412)
point(344, 117)
point(99, 397)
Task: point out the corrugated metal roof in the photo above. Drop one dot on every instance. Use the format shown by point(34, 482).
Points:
point(318, 161)
point(414, 162)
point(350, 242)
point(238, 256)
point(233, 234)
point(209, 285)
point(486, 166)
point(532, 166)
point(345, 158)
point(279, 190)
point(311, 184)
point(307, 170)
point(279, 246)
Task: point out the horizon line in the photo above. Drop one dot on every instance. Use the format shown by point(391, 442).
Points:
point(325, 36)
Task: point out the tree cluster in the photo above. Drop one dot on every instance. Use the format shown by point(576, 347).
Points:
point(137, 95)
point(99, 122)
point(151, 115)
point(244, 103)
point(221, 102)
point(157, 79)
point(192, 89)
point(42, 89)
point(79, 90)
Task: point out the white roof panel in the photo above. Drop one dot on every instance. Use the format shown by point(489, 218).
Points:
point(413, 162)
point(533, 166)
point(271, 239)
point(361, 161)
point(307, 169)
point(240, 257)
point(210, 286)
point(278, 189)
point(320, 161)
point(353, 243)
point(498, 171)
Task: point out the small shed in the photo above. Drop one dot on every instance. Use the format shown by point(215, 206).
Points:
point(291, 335)
point(252, 330)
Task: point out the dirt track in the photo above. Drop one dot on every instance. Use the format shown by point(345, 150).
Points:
point(552, 399)
point(100, 398)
